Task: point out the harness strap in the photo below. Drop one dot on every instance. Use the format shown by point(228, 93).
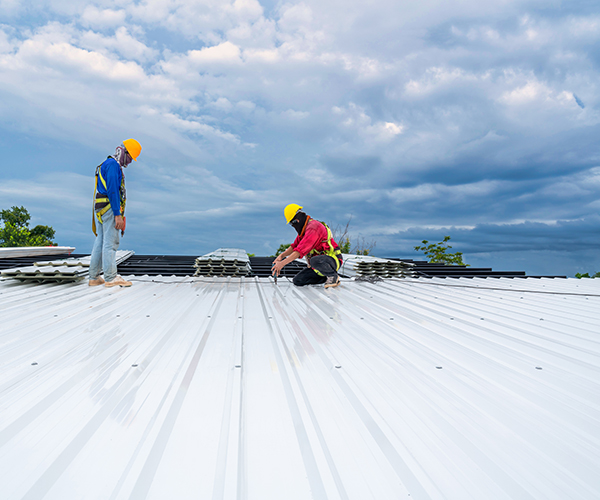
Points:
point(101, 202)
point(332, 252)
point(94, 201)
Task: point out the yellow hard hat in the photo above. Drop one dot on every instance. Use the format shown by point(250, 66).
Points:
point(290, 211)
point(133, 147)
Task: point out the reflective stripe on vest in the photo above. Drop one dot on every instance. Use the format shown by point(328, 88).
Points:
point(332, 252)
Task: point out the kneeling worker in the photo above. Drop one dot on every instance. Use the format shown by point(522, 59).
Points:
point(109, 212)
point(314, 241)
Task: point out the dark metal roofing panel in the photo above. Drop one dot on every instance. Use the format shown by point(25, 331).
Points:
point(240, 388)
point(183, 265)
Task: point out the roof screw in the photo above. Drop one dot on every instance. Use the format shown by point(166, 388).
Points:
point(147, 315)
point(481, 319)
point(338, 366)
point(34, 363)
point(238, 366)
point(134, 365)
point(56, 315)
point(451, 318)
point(439, 367)
point(118, 315)
point(538, 367)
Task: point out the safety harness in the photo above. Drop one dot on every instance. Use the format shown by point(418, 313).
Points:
point(333, 252)
point(101, 201)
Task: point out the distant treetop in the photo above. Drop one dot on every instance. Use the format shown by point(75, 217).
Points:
point(15, 231)
point(437, 252)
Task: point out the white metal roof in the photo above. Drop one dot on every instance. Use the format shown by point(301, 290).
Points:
point(211, 388)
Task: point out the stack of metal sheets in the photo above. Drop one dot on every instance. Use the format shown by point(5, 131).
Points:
point(365, 265)
point(58, 270)
point(16, 252)
point(224, 262)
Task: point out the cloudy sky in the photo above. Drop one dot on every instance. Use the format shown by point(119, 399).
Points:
point(478, 120)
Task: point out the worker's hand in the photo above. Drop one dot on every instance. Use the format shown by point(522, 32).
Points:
point(277, 259)
point(277, 266)
point(119, 223)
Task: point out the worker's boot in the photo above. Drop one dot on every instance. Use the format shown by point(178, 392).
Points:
point(118, 281)
point(332, 281)
point(96, 281)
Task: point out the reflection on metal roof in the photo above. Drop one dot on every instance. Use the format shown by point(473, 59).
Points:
point(211, 388)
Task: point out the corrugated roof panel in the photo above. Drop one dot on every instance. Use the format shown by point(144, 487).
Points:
point(238, 388)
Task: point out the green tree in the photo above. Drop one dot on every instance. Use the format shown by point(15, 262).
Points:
point(587, 275)
point(345, 245)
point(282, 248)
point(438, 252)
point(15, 231)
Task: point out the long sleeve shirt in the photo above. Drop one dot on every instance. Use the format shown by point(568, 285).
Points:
point(314, 238)
point(113, 176)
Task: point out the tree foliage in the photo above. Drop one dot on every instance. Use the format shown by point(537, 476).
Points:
point(587, 275)
point(15, 230)
point(282, 248)
point(438, 252)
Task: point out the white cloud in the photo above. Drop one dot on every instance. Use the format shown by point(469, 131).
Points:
point(10, 7)
point(436, 78)
point(197, 127)
point(246, 9)
point(5, 43)
point(225, 52)
point(94, 17)
point(355, 118)
point(206, 20)
point(531, 91)
point(122, 43)
point(222, 104)
point(296, 115)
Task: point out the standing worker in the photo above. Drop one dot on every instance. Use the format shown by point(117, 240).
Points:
point(315, 242)
point(109, 212)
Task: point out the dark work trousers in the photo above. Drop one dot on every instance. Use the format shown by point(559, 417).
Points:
point(324, 264)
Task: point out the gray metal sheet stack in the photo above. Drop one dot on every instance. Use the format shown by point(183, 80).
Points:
point(224, 262)
point(365, 266)
point(58, 270)
point(16, 252)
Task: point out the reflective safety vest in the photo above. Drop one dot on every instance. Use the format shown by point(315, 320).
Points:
point(101, 201)
point(333, 252)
